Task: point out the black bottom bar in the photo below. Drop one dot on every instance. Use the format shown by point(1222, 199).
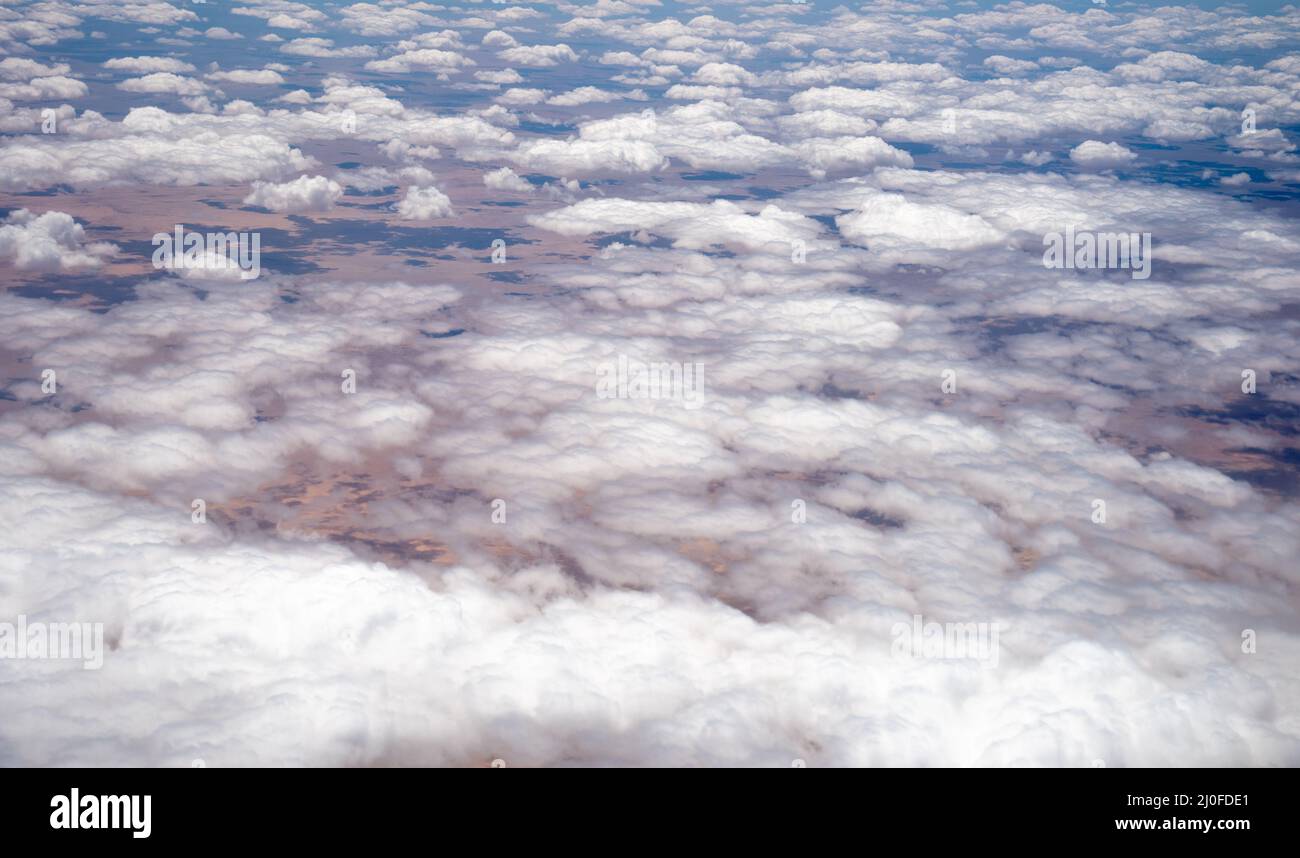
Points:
point(334, 808)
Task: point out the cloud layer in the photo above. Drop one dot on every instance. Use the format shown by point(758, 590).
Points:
point(617, 383)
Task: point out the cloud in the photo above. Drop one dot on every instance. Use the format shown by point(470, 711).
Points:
point(297, 96)
point(518, 96)
point(150, 146)
point(691, 225)
point(538, 55)
point(289, 22)
point(51, 241)
point(248, 77)
point(284, 14)
point(1009, 66)
point(704, 136)
point(140, 65)
point(833, 219)
point(427, 203)
point(41, 88)
point(592, 95)
point(498, 39)
point(586, 156)
point(499, 76)
point(163, 82)
point(825, 123)
point(1095, 155)
point(311, 46)
point(303, 194)
point(505, 179)
point(370, 19)
point(823, 154)
point(887, 219)
point(724, 74)
point(22, 68)
point(426, 58)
